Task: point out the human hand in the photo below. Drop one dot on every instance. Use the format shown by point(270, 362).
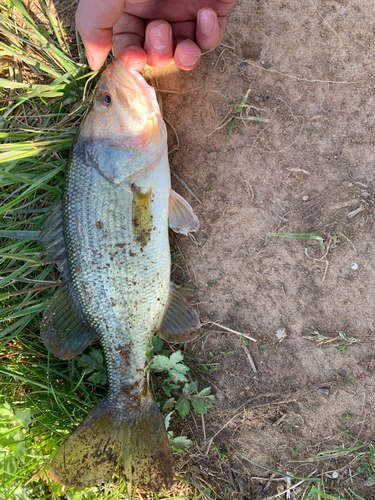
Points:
point(151, 31)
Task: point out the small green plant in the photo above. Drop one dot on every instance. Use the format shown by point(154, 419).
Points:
point(93, 363)
point(221, 454)
point(335, 342)
point(317, 236)
point(239, 111)
point(177, 373)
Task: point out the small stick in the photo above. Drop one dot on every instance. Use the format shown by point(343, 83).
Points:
point(185, 185)
point(35, 289)
point(218, 432)
point(278, 422)
point(203, 427)
point(288, 486)
point(233, 331)
point(42, 263)
point(264, 490)
point(246, 349)
point(286, 491)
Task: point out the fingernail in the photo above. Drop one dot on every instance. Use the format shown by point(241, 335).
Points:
point(188, 59)
point(207, 20)
point(160, 36)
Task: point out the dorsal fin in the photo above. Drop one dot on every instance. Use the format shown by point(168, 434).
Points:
point(181, 323)
point(63, 330)
point(182, 219)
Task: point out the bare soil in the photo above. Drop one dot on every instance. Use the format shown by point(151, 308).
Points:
point(310, 66)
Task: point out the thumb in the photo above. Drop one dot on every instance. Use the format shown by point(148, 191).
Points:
point(95, 20)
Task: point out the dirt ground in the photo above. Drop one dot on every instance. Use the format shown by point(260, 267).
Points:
point(309, 65)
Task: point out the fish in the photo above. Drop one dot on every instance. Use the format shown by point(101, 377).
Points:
point(110, 232)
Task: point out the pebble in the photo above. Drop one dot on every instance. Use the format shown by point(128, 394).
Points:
point(281, 334)
point(324, 391)
point(305, 197)
point(369, 482)
point(354, 266)
point(335, 474)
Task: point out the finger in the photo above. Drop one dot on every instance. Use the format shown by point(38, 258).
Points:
point(159, 43)
point(210, 28)
point(95, 19)
point(128, 41)
point(187, 54)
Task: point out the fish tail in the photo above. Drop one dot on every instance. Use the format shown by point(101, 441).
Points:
point(131, 439)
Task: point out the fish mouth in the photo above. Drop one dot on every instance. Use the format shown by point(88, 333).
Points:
point(132, 88)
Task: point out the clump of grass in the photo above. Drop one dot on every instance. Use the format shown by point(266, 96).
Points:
point(238, 111)
point(43, 398)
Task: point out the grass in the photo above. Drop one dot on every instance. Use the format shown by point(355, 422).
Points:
point(358, 457)
point(238, 111)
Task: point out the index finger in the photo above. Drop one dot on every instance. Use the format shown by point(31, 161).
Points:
point(95, 20)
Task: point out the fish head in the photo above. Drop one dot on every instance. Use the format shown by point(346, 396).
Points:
point(123, 133)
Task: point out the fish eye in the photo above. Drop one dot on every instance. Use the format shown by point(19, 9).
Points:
point(105, 100)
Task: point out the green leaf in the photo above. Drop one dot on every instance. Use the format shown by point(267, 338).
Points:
point(97, 356)
point(6, 412)
point(167, 420)
point(168, 386)
point(23, 417)
point(198, 404)
point(190, 388)
point(180, 443)
point(183, 407)
point(175, 358)
point(205, 392)
point(159, 363)
point(98, 378)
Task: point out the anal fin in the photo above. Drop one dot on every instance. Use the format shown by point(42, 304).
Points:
point(63, 330)
point(182, 219)
point(181, 323)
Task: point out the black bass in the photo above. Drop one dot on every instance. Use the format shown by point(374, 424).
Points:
point(112, 229)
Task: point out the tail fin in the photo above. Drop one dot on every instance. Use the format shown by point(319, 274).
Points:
point(134, 440)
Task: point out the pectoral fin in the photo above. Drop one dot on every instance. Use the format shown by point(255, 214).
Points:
point(182, 219)
point(181, 323)
point(63, 330)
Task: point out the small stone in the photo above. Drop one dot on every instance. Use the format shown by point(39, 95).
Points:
point(335, 474)
point(305, 197)
point(369, 482)
point(354, 266)
point(280, 489)
point(281, 334)
point(73, 36)
point(324, 391)
point(343, 373)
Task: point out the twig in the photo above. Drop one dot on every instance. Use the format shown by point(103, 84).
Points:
point(175, 133)
point(271, 478)
point(177, 92)
point(278, 422)
point(282, 493)
point(185, 185)
point(249, 190)
point(247, 352)
point(218, 432)
point(203, 427)
point(233, 331)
